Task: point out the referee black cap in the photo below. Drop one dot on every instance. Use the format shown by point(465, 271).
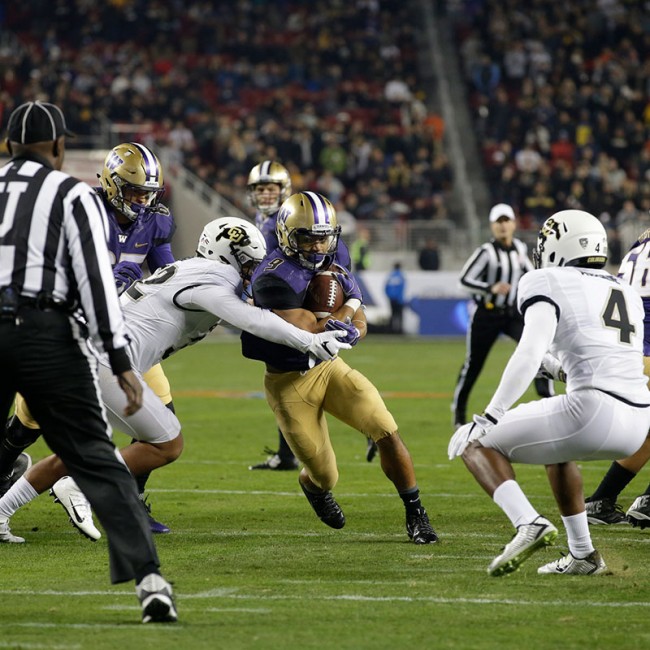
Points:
point(37, 122)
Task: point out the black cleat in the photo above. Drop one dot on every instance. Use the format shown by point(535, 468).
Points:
point(277, 462)
point(638, 514)
point(325, 506)
point(20, 466)
point(419, 528)
point(605, 512)
point(157, 599)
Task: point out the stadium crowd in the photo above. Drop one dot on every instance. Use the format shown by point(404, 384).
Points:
point(559, 93)
point(332, 91)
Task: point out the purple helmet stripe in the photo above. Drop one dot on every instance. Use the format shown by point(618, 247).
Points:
point(150, 166)
point(319, 208)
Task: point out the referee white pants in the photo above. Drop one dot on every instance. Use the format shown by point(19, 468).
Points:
point(583, 425)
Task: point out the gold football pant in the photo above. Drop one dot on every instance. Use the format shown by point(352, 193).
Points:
point(155, 378)
point(300, 400)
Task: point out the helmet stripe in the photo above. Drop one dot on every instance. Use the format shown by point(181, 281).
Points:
point(319, 208)
point(150, 166)
point(265, 168)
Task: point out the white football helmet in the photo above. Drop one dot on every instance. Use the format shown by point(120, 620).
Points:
point(571, 238)
point(233, 241)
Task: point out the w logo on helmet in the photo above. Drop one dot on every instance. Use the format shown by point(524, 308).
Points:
point(113, 161)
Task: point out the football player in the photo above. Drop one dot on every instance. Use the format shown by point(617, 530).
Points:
point(309, 241)
point(589, 325)
point(140, 232)
point(602, 507)
point(177, 306)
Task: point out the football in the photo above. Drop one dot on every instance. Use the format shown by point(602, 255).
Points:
point(324, 294)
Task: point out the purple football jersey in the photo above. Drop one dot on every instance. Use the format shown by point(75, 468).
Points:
point(280, 282)
point(145, 240)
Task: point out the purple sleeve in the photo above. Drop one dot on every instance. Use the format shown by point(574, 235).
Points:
point(160, 256)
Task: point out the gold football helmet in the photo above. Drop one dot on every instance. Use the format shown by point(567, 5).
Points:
point(132, 179)
point(266, 172)
point(307, 230)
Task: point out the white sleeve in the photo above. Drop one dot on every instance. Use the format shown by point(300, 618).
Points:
point(540, 323)
point(224, 303)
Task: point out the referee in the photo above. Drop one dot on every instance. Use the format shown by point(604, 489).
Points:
point(54, 259)
point(492, 274)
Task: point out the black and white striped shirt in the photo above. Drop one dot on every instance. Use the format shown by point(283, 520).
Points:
point(53, 233)
point(490, 263)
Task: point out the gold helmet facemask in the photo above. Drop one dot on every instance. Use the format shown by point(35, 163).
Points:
point(306, 219)
point(132, 168)
point(265, 173)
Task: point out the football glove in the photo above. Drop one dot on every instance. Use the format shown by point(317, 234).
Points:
point(551, 369)
point(125, 274)
point(348, 284)
point(469, 432)
point(352, 334)
point(326, 345)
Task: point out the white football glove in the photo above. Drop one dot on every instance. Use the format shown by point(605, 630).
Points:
point(326, 345)
point(469, 432)
point(551, 368)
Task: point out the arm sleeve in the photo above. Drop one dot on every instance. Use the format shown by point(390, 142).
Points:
point(86, 228)
point(540, 323)
point(224, 303)
point(472, 271)
point(160, 256)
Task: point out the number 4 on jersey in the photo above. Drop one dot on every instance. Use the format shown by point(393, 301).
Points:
point(615, 316)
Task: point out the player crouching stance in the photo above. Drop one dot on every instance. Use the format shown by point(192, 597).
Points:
point(300, 391)
point(591, 325)
point(175, 307)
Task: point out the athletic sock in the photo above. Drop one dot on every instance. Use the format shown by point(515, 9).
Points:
point(411, 499)
point(613, 483)
point(578, 536)
point(20, 493)
point(514, 503)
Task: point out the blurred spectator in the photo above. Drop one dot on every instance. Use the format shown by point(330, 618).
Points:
point(360, 250)
point(429, 258)
point(395, 289)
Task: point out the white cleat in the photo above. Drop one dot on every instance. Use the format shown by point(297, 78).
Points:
point(591, 565)
point(5, 533)
point(527, 539)
point(157, 599)
point(66, 492)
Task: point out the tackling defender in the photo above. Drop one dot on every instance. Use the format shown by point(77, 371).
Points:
point(591, 323)
point(177, 306)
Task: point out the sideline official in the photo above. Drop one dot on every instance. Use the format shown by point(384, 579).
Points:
point(54, 259)
point(492, 274)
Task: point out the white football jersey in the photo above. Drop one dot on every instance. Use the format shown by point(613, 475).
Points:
point(182, 302)
point(635, 267)
point(599, 336)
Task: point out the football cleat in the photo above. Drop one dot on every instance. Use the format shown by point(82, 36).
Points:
point(371, 450)
point(638, 514)
point(5, 533)
point(277, 462)
point(66, 492)
point(528, 539)
point(419, 528)
point(155, 526)
point(157, 599)
point(20, 466)
point(604, 512)
point(591, 565)
point(325, 506)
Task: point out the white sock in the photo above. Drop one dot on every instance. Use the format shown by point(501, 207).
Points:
point(20, 493)
point(511, 499)
point(578, 536)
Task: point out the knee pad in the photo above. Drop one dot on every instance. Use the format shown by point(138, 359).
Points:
point(18, 436)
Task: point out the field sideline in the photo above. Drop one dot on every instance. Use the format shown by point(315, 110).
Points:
point(254, 568)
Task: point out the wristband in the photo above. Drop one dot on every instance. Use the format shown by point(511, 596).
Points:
point(353, 303)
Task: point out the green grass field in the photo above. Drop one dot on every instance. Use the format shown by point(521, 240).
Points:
point(254, 568)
